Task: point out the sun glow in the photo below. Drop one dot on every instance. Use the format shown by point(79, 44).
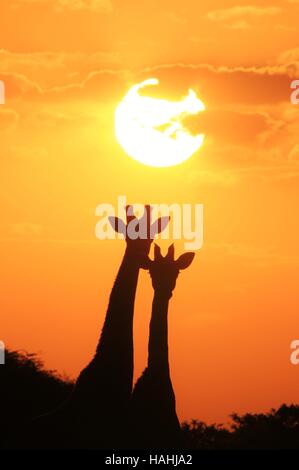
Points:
point(151, 130)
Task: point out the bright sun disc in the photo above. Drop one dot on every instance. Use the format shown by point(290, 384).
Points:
point(151, 130)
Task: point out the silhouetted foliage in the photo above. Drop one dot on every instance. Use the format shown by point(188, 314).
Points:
point(202, 436)
point(27, 390)
point(277, 429)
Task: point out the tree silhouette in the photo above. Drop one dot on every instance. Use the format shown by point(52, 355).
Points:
point(27, 389)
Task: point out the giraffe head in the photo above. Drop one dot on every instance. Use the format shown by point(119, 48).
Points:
point(165, 270)
point(139, 233)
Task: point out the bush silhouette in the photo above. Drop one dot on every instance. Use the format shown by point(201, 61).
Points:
point(201, 436)
point(27, 390)
point(277, 429)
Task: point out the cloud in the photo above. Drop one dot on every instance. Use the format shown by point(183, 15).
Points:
point(221, 124)
point(39, 60)
point(18, 85)
point(50, 69)
point(241, 17)
point(253, 100)
point(61, 62)
point(226, 85)
point(103, 85)
point(249, 99)
point(96, 6)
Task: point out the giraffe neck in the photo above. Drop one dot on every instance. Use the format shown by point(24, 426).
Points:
point(111, 370)
point(158, 361)
point(118, 326)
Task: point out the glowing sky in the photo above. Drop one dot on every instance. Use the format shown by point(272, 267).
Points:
point(66, 64)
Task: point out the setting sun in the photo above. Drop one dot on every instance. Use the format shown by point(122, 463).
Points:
point(151, 130)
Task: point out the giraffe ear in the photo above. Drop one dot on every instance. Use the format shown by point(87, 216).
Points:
point(159, 225)
point(170, 253)
point(185, 260)
point(118, 225)
point(157, 253)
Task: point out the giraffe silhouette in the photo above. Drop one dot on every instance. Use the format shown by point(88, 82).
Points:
point(104, 387)
point(154, 421)
point(96, 414)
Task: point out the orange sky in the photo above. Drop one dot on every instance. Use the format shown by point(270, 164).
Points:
point(66, 64)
